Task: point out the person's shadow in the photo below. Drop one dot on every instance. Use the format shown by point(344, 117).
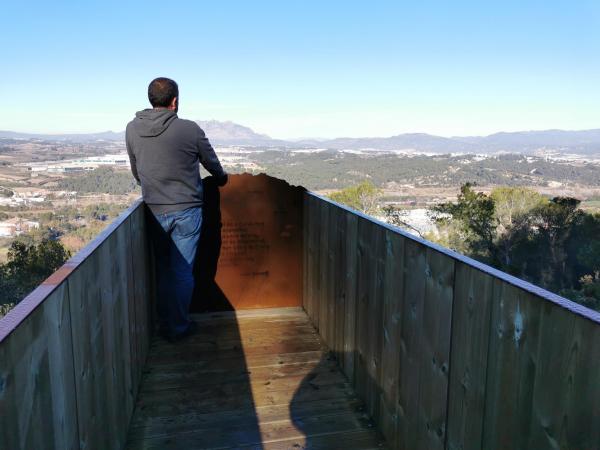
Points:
point(209, 395)
point(208, 296)
point(323, 408)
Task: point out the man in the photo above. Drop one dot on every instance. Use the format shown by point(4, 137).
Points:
point(164, 152)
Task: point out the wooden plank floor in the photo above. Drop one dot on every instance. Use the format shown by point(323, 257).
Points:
point(258, 379)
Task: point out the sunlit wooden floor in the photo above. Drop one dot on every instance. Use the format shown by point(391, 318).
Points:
point(258, 379)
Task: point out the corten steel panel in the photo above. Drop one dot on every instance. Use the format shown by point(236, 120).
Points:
point(250, 253)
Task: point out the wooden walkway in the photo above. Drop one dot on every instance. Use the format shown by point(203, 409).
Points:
point(256, 379)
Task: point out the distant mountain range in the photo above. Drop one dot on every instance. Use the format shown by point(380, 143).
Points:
point(586, 142)
point(229, 133)
point(82, 137)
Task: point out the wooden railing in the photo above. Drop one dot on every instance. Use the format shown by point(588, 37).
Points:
point(448, 353)
point(72, 352)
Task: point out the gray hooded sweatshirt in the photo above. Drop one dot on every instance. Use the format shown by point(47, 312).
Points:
point(164, 152)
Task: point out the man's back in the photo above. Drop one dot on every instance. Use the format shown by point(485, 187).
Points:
point(164, 151)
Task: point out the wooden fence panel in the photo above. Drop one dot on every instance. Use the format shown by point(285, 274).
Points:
point(147, 267)
point(71, 353)
point(470, 335)
point(448, 353)
point(37, 386)
point(435, 349)
point(323, 297)
point(310, 239)
point(85, 294)
point(143, 300)
point(410, 345)
point(392, 320)
point(538, 364)
point(513, 351)
point(552, 385)
point(364, 276)
point(305, 253)
point(350, 291)
point(375, 319)
point(581, 383)
point(314, 256)
point(338, 274)
point(135, 351)
point(116, 323)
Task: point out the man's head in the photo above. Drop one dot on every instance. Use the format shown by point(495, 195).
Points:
point(163, 93)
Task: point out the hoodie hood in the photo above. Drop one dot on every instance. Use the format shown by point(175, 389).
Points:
point(153, 122)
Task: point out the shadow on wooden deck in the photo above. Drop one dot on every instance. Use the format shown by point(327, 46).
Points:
point(260, 379)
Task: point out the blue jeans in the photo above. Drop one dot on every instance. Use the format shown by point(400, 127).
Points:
point(175, 254)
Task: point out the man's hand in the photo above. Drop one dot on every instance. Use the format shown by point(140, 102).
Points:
point(222, 180)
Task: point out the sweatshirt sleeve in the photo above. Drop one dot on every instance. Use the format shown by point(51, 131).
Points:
point(132, 160)
point(208, 157)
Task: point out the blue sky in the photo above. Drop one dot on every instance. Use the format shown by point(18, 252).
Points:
point(306, 69)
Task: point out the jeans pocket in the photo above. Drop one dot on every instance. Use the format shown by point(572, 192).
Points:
point(188, 222)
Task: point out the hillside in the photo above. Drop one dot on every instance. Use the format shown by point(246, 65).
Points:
point(583, 142)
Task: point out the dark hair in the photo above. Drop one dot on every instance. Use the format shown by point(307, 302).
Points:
point(162, 91)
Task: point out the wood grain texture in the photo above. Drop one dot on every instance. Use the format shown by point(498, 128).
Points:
point(305, 252)
point(415, 267)
point(448, 353)
point(140, 319)
point(513, 352)
point(468, 370)
point(324, 286)
point(396, 315)
point(539, 361)
point(581, 382)
point(315, 260)
point(260, 398)
point(69, 370)
point(351, 268)
point(364, 276)
point(337, 260)
point(37, 401)
point(442, 351)
point(375, 317)
point(435, 350)
point(392, 320)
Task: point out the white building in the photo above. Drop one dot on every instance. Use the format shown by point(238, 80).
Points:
point(17, 226)
point(79, 165)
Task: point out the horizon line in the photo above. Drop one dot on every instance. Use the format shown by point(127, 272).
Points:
point(298, 139)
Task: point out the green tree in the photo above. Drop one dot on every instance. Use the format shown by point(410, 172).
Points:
point(28, 265)
point(551, 228)
point(102, 179)
point(363, 197)
point(552, 243)
point(513, 207)
point(470, 220)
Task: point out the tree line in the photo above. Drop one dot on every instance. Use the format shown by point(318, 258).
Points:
point(28, 265)
point(550, 242)
point(34, 256)
point(102, 179)
point(333, 169)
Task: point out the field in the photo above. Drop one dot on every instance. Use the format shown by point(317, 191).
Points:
point(71, 201)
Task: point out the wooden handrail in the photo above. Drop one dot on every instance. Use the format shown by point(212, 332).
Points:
point(72, 352)
point(447, 352)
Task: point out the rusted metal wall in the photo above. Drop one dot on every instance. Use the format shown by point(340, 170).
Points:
point(446, 352)
point(250, 253)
